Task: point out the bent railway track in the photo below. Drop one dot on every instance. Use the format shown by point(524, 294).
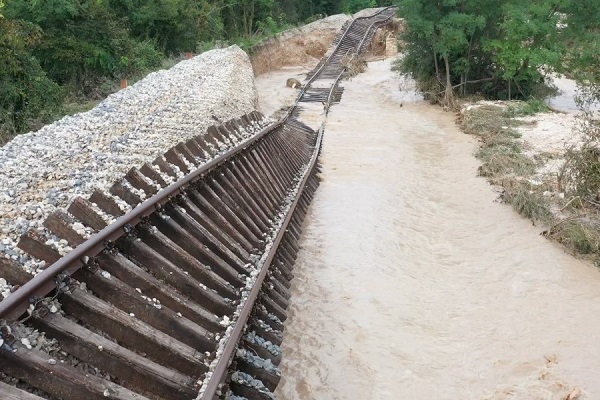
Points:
point(178, 280)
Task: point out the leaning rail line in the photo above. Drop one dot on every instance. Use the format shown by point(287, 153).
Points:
point(178, 285)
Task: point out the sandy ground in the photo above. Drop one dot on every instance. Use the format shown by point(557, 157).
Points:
point(548, 132)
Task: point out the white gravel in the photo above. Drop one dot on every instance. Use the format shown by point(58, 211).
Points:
point(43, 171)
point(333, 22)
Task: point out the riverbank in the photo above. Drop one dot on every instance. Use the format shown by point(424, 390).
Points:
point(541, 165)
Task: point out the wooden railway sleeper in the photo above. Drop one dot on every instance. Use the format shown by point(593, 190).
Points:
point(187, 262)
point(121, 267)
point(223, 217)
point(147, 257)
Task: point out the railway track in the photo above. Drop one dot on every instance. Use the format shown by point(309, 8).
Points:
point(178, 280)
point(354, 38)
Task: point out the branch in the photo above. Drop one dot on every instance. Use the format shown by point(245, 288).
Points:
point(475, 81)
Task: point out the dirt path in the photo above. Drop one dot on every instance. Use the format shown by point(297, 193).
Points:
point(413, 283)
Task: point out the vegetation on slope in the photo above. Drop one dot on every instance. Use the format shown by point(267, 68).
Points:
point(59, 56)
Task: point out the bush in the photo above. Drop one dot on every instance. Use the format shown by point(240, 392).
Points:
point(28, 96)
point(580, 174)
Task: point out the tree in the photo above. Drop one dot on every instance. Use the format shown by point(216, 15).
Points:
point(480, 45)
point(527, 45)
point(580, 26)
point(352, 6)
point(82, 42)
point(26, 93)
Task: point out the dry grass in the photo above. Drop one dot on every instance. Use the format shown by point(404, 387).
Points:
point(500, 153)
point(581, 235)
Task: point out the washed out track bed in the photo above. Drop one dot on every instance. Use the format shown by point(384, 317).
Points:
point(176, 280)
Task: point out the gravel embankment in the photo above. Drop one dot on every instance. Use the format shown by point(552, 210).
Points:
point(43, 171)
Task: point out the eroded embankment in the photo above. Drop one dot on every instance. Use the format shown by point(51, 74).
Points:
point(302, 46)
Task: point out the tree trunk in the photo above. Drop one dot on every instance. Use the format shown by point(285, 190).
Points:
point(435, 60)
point(449, 95)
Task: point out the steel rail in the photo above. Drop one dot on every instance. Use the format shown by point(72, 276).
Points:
point(231, 346)
point(43, 283)
point(222, 365)
point(331, 92)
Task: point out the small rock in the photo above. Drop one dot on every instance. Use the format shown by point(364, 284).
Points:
point(51, 361)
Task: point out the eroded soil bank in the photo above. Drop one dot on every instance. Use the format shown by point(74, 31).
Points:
point(414, 283)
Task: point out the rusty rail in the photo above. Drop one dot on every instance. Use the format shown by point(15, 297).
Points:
point(316, 73)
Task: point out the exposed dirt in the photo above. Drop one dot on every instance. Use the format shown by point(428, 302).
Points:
point(297, 47)
point(306, 45)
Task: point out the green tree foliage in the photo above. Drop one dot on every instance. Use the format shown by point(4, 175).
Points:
point(26, 93)
point(352, 6)
point(494, 47)
point(83, 42)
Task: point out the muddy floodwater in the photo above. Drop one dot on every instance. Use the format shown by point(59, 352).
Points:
point(414, 283)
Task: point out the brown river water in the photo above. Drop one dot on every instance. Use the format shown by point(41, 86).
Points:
point(413, 282)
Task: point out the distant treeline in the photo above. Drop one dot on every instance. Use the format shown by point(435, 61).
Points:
point(57, 52)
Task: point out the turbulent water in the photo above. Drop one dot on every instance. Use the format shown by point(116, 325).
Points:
point(414, 283)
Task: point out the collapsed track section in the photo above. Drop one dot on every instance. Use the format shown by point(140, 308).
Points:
point(193, 277)
point(353, 39)
point(178, 280)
